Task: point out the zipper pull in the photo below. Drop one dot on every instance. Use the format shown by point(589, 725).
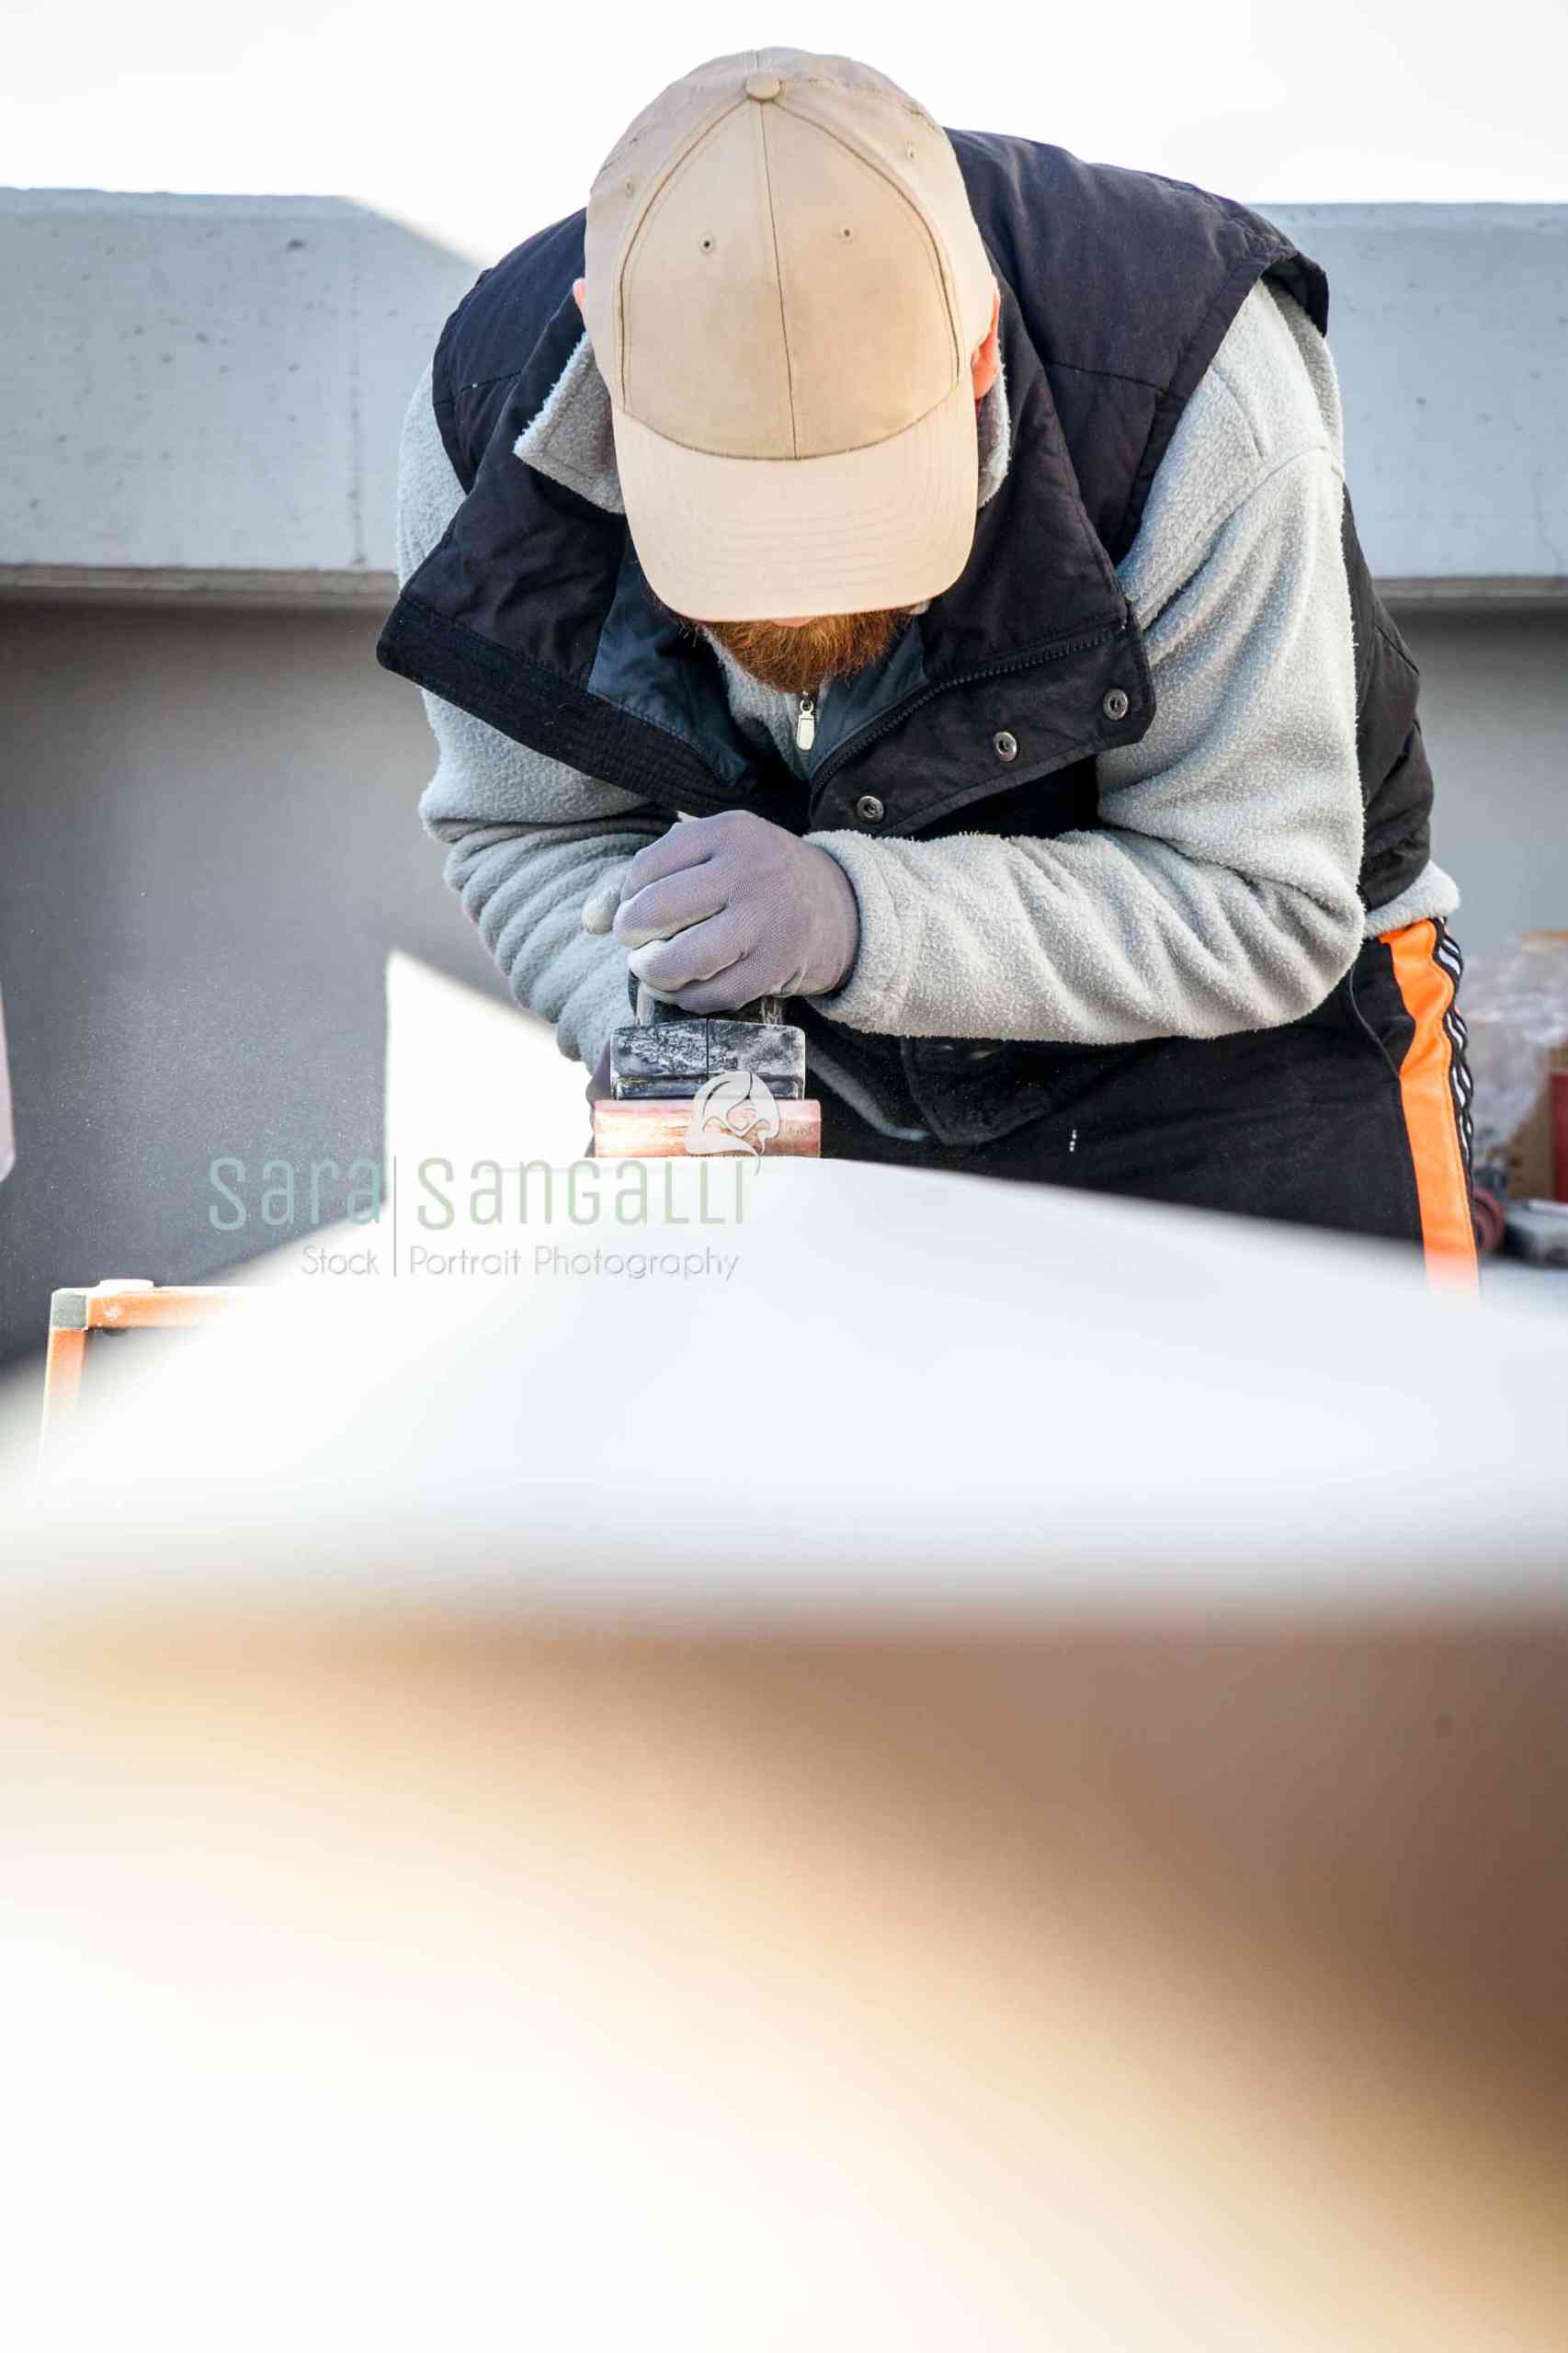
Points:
point(806, 723)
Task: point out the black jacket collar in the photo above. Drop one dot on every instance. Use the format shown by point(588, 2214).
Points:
point(533, 613)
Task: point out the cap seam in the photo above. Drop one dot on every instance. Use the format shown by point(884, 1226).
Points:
point(889, 95)
point(933, 243)
point(778, 281)
point(673, 168)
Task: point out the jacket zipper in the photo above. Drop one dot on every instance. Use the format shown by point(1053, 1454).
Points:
point(806, 723)
point(895, 718)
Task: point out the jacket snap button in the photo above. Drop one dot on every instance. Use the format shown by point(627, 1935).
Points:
point(1115, 705)
point(1005, 747)
point(870, 810)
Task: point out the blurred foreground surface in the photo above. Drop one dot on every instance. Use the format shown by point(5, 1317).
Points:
point(992, 1777)
point(712, 1385)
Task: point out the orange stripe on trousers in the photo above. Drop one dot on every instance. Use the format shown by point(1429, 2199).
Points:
point(1441, 1186)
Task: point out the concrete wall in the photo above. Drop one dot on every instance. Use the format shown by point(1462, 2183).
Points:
point(211, 846)
point(1450, 330)
point(1494, 711)
point(209, 385)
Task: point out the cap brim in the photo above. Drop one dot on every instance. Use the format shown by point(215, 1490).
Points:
point(789, 539)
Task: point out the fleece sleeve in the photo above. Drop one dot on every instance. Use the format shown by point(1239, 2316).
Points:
point(528, 838)
point(1219, 892)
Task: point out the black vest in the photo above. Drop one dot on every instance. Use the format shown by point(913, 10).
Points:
point(1117, 289)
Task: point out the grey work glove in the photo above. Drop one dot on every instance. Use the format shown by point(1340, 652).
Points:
point(720, 910)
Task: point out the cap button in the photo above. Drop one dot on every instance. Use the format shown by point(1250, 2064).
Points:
point(763, 86)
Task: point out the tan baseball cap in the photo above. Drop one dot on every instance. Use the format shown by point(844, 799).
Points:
point(784, 282)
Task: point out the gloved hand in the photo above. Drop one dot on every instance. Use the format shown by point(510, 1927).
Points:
point(723, 909)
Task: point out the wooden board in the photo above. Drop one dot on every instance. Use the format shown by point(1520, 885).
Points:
point(661, 1131)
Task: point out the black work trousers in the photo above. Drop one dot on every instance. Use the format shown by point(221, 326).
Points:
point(1354, 1117)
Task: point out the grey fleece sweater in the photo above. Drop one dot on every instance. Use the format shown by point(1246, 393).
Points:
point(1217, 894)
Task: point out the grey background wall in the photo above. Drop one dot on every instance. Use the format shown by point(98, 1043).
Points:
point(1494, 705)
point(211, 847)
point(1449, 331)
point(208, 793)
